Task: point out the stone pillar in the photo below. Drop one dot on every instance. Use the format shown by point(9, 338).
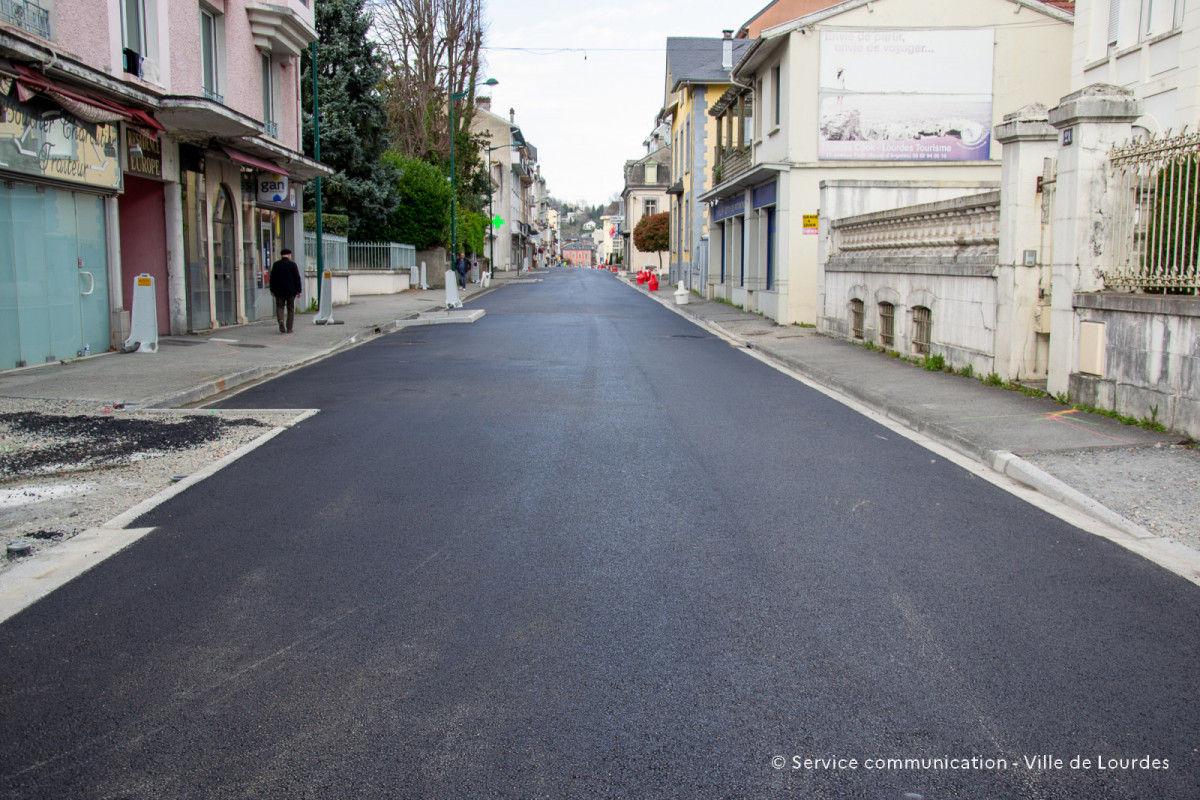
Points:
point(1028, 139)
point(1089, 122)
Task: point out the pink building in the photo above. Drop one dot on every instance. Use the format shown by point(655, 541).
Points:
point(145, 137)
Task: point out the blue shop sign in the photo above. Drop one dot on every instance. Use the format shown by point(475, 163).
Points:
point(729, 208)
point(764, 195)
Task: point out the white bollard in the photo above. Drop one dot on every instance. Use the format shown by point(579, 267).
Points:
point(681, 296)
point(452, 300)
point(325, 306)
point(424, 282)
point(143, 323)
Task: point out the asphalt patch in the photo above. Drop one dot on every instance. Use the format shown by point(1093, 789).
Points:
point(71, 442)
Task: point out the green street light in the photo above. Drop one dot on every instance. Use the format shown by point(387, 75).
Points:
point(453, 192)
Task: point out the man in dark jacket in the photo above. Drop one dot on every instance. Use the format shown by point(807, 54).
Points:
point(461, 267)
point(286, 286)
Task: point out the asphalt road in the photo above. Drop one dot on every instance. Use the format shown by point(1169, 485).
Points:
point(582, 549)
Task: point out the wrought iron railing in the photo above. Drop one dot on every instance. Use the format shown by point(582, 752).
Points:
point(1155, 235)
point(271, 129)
point(28, 16)
point(341, 254)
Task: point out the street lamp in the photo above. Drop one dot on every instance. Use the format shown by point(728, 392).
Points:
point(453, 192)
point(491, 214)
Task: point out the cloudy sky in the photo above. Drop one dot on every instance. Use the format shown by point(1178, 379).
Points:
point(586, 80)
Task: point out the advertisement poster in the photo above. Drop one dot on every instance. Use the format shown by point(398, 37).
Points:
point(905, 95)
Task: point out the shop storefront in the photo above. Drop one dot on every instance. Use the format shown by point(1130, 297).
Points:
point(143, 223)
point(268, 213)
point(56, 171)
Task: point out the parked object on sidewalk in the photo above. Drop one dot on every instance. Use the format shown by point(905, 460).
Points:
point(325, 307)
point(452, 299)
point(653, 283)
point(424, 283)
point(681, 295)
point(143, 321)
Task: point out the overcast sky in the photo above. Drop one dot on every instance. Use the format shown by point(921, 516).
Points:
point(587, 116)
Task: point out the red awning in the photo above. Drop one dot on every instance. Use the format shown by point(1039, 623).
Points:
point(85, 105)
point(251, 161)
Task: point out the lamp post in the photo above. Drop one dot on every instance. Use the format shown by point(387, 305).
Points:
point(453, 191)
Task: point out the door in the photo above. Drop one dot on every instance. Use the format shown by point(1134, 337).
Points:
point(225, 259)
point(53, 275)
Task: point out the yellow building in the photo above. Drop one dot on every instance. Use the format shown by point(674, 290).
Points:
point(697, 75)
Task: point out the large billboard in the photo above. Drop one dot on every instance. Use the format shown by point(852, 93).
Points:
point(906, 95)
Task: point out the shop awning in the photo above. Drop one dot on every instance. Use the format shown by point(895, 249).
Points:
point(251, 161)
point(85, 105)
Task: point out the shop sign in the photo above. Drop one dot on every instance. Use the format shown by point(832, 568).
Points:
point(58, 146)
point(143, 155)
point(271, 187)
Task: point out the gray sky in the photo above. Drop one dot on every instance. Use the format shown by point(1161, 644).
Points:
point(587, 116)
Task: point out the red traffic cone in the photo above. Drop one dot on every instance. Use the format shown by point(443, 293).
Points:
point(653, 283)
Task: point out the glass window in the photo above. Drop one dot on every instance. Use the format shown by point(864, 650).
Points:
point(209, 58)
point(268, 89)
point(775, 78)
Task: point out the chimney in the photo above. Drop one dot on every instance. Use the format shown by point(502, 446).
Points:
point(512, 116)
point(484, 103)
point(727, 51)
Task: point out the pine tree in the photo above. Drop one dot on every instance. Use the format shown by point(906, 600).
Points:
point(353, 117)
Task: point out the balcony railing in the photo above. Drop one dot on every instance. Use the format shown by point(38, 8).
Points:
point(271, 129)
point(28, 16)
point(209, 94)
point(730, 164)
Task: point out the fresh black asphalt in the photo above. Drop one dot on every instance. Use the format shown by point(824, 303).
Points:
point(582, 549)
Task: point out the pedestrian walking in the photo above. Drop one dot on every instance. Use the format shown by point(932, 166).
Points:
point(460, 268)
point(286, 286)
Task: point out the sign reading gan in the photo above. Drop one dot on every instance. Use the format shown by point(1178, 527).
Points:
point(272, 187)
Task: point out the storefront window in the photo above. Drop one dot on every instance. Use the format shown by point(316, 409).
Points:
point(195, 250)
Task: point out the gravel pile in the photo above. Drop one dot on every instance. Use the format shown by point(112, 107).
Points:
point(66, 466)
point(1158, 487)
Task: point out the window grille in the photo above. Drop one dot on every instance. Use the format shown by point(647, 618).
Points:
point(922, 330)
point(887, 324)
point(856, 318)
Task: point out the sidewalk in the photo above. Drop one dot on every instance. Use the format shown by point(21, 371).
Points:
point(189, 369)
point(1143, 483)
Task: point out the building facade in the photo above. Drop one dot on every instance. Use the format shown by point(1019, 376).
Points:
point(861, 93)
point(145, 139)
point(646, 182)
point(697, 74)
point(515, 200)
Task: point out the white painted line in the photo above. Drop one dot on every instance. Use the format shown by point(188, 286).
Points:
point(25, 583)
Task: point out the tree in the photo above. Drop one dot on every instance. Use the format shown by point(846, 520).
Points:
point(422, 216)
point(652, 234)
point(353, 116)
point(434, 48)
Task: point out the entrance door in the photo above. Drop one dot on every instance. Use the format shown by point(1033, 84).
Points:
point(53, 275)
point(225, 259)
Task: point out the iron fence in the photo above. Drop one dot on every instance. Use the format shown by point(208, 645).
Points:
point(1156, 230)
point(341, 254)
